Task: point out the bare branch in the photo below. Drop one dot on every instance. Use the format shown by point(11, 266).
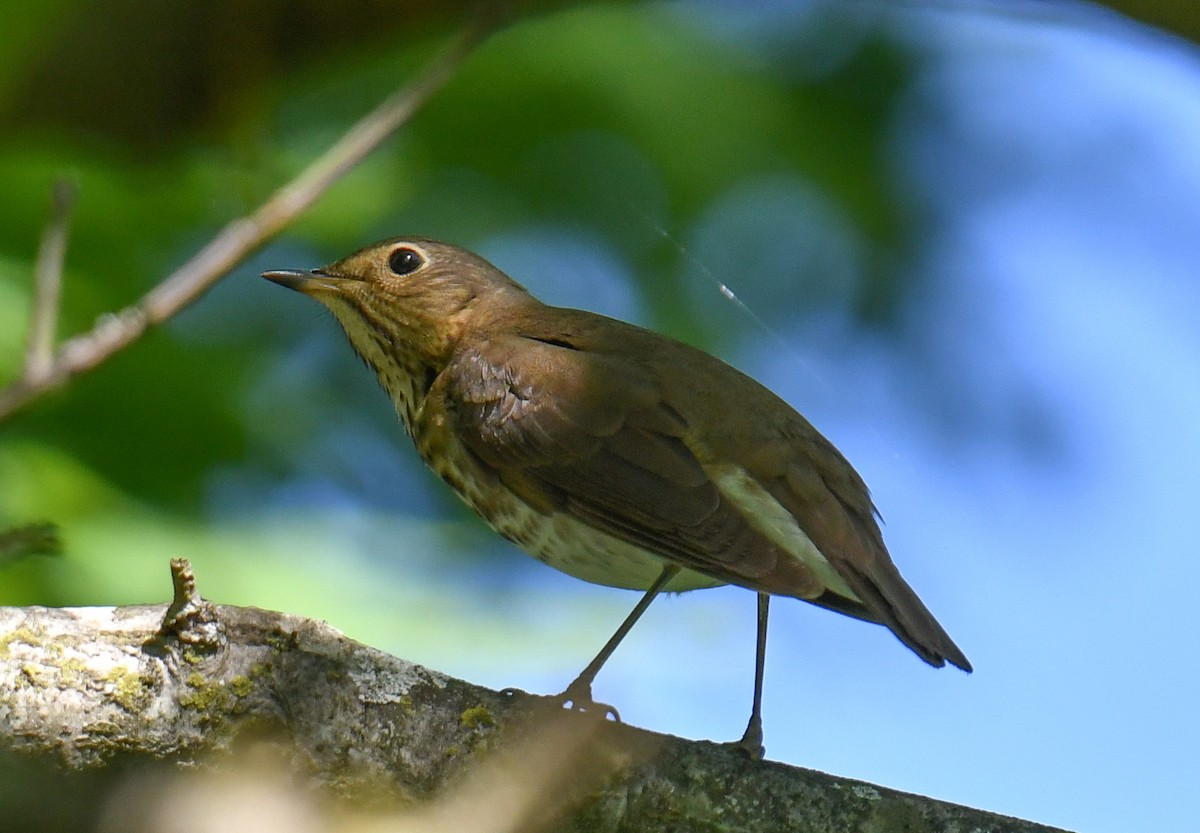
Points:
point(47, 283)
point(31, 539)
point(245, 234)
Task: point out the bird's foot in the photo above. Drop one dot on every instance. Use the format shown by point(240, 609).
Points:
point(751, 744)
point(578, 698)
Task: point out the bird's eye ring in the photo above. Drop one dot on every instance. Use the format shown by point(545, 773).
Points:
point(405, 261)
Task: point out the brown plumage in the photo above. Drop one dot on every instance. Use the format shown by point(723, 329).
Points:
point(609, 451)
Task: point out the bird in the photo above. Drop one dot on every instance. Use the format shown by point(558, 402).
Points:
point(613, 453)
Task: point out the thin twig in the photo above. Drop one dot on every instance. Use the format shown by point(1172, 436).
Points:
point(47, 283)
point(32, 539)
point(243, 235)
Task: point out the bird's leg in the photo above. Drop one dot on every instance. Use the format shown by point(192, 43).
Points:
point(579, 693)
point(752, 741)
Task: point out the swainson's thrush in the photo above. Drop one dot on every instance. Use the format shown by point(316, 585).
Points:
point(615, 454)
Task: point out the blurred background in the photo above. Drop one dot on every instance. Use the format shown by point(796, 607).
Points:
point(963, 236)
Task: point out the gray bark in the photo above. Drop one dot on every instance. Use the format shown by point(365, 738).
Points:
point(165, 717)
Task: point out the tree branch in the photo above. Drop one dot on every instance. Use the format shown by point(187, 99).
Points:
point(47, 283)
point(90, 687)
point(30, 539)
point(238, 239)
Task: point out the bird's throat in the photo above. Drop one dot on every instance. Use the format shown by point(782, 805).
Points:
point(401, 373)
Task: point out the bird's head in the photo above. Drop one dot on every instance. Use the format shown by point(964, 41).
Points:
point(406, 301)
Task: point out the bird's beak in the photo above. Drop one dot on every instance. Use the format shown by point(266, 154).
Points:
point(304, 281)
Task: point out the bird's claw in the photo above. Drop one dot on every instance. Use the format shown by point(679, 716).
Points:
point(751, 743)
point(591, 707)
point(580, 700)
point(754, 752)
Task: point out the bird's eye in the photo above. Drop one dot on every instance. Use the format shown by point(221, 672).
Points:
point(405, 261)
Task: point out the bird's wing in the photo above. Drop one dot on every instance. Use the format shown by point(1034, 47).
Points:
point(821, 489)
point(576, 431)
point(580, 432)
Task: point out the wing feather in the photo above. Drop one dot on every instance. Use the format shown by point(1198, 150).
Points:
point(580, 432)
point(834, 507)
point(593, 436)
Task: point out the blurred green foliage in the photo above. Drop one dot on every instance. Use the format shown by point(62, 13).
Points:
point(623, 125)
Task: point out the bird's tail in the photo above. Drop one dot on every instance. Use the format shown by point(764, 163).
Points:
point(894, 604)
